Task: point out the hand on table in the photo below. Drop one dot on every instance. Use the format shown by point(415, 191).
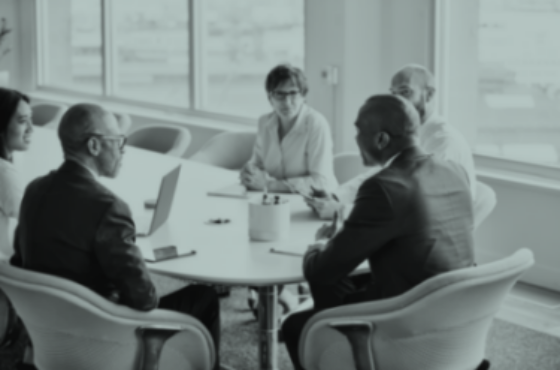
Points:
point(253, 178)
point(320, 246)
point(324, 205)
point(327, 231)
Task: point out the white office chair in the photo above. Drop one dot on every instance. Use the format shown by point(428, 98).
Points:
point(348, 165)
point(484, 202)
point(71, 327)
point(229, 150)
point(441, 324)
point(124, 121)
point(47, 114)
point(166, 139)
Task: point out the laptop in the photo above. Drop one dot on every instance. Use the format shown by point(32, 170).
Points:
point(148, 225)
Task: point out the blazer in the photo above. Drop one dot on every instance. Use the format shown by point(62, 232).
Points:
point(411, 221)
point(73, 227)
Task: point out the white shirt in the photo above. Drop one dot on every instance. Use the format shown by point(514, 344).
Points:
point(435, 137)
point(304, 157)
point(11, 193)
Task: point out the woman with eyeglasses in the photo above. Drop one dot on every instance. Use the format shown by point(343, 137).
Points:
point(293, 151)
point(15, 134)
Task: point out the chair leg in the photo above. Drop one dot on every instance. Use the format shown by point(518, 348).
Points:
point(153, 339)
point(358, 334)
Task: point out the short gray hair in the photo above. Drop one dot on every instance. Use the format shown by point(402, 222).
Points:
point(78, 121)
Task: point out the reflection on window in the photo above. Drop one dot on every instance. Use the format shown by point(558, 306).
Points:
point(243, 41)
point(73, 45)
point(519, 80)
point(152, 57)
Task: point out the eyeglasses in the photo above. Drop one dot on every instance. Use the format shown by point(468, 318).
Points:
point(121, 139)
point(281, 95)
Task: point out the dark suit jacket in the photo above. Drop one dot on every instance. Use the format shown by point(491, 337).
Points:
point(412, 220)
point(73, 227)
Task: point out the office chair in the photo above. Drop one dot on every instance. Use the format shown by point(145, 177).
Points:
point(47, 114)
point(165, 139)
point(484, 202)
point(441, 324)
point(348, 165)
point(229, 150)
point(124, 121)
point(71, 327)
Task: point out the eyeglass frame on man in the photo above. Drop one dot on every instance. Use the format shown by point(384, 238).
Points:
point(110, 137)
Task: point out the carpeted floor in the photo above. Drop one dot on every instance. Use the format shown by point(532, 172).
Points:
point(510, 347)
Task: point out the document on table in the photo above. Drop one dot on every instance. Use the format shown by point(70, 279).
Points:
point(231, 191)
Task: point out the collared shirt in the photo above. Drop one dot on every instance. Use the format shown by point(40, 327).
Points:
point(304, 157)
point(11, 192)
point(435, 137)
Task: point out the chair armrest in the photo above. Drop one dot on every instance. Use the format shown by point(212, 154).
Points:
point(358, 334)
point(153, 339)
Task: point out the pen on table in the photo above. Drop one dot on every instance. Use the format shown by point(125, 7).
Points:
point(265, 189)
point(277, 251)
point(191, 253)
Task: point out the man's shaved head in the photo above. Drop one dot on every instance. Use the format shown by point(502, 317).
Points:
point(390, 113)
point(416, 84)
point(81, 120)
point(416, 74)
point(386, 125)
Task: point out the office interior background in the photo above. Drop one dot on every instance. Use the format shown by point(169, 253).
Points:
point(202, 64)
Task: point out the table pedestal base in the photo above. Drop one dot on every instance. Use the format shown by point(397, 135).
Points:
point(268, 328)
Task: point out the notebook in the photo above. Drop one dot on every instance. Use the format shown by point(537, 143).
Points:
point(231, 191)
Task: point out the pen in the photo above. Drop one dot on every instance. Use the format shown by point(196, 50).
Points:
point(272, 250)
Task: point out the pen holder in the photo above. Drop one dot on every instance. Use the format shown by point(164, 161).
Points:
point(269, 222)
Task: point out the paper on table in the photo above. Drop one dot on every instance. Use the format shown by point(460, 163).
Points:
point(231, 191)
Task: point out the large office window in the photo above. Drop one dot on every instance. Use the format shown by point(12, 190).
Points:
point(208, 56)
point(516, 60)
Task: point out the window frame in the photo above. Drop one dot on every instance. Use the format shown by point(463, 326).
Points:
point(526, 169)
point(197, 89)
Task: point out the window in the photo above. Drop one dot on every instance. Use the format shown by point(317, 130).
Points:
point(202, 56)
point(517, 77)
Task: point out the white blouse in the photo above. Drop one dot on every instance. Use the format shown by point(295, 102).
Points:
point(304, 157)
point(11, 192)
point(435, 137)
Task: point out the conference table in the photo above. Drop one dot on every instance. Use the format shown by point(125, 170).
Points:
point(225, 254)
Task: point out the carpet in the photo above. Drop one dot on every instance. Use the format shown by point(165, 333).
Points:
point(509, 347)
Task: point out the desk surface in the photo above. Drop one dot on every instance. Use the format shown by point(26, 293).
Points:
point(224, 253)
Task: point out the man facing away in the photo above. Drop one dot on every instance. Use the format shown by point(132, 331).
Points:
point(411, 221)
point(73, 227)
point(416, 84)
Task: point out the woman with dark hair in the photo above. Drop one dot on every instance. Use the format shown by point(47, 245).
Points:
point(294, 149)
point(15, 134)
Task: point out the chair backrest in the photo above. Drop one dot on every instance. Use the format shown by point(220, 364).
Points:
point(347, 166)
point(124, 121)
point(229, 150)
point(166, 139)
point(71, 327)
point(484, 202)
point(441, 324)
point(47, 114)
